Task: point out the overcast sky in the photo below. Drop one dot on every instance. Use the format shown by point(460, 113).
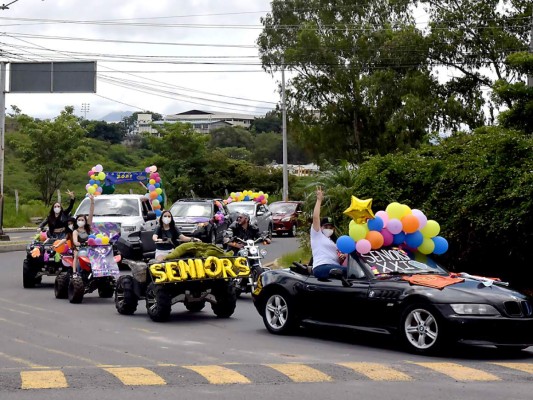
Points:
point(172, 31)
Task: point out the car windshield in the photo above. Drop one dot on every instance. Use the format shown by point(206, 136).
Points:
point(242, 207)
point(282, 208)
point(394, 260)
point(111, 206)
point(184, 209)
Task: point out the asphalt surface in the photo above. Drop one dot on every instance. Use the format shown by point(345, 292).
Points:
point(52, 349)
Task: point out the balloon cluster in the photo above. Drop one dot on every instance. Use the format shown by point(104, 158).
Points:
point(154, 189)
point(96, 180)
point(98, 240)
point(247, 195)
point(397, 225)
point(219, 217)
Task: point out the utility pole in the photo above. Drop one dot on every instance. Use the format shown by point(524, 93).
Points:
point(2, 131)
point(85, 109)
point(530, 76)
point(284, 130)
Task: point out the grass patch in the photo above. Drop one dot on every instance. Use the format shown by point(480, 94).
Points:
point(31, 209)
point(300, 255)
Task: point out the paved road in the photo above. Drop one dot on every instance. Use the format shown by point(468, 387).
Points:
point(52, 349)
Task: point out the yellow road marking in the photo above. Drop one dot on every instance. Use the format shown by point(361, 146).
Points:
point(22, 361)
point(143, 330)
point(43, 379)
point(377, 372)
point(54, 351)
point(136, 376)
point(519, 366)
point(218, 375)
point(301, 372)
point(459, 372)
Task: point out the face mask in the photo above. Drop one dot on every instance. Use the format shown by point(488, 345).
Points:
point(71, 227)
point(81, 223)
point(327, 232)
point(57, 210)
point(166, 220)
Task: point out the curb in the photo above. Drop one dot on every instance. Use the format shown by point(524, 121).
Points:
point(14, 246)
point(21, 229)
point(273, 264)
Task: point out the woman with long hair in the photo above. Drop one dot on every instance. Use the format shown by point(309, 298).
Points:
point(57, 218)
point(167, 236)
point(81, 234)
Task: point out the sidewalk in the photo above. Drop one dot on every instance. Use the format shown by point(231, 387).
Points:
point(10, 245)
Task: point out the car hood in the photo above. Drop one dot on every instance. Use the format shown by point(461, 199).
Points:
point(123, 220)
point(190, 220)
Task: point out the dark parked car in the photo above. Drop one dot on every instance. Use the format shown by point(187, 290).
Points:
point(388, 291)
point(196, 217)
point(285, 216)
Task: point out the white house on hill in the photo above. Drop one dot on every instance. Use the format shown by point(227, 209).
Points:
point(206, 121)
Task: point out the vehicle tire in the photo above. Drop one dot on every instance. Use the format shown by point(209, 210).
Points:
point(106, 289)
point(76, 289)
point(28, 275)
point(292, 232)
point(158, 303)
point(61, 285)
point(195, 306)
point(126, 300)
point(512, 349)
point(421, 329)
point(279, 314)
point(226, 298)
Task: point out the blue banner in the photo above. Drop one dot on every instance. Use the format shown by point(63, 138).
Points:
point(115, 178)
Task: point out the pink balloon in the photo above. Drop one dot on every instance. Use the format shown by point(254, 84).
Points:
point(90, 172)
point(394, 226)
point(363, 246)
point(422, 219)
point(384, 216)
point(387, 237)
point(147, 169)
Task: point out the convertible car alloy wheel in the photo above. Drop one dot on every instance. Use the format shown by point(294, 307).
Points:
point(276, 313)
point(420, 329)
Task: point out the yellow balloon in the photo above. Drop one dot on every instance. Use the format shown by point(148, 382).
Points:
point(431, 229)
point(395, 210)
point(266, 195)
point(360, 210)
point(232, 194)
point(427, 246)
point(406, 210)
point(91, 189)
point(357, 231)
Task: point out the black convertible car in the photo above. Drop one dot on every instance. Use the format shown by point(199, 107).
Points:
point(390, 291)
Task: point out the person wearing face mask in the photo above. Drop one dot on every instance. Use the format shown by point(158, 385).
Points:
point(71, 226)
point(324, 249)
point(57, 219)
point(81, 233)
point(243, 229)
point(167, 236)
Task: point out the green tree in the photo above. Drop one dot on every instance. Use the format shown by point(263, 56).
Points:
point(231, 137)
point(109, 132)
point(51, 149)
point(271, 122)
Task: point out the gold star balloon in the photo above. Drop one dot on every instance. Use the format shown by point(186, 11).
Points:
point(360, 210)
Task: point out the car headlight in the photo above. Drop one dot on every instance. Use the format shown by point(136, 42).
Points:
point(128, 228)
point(474, 309)
point(286, 219)
point(263, 252)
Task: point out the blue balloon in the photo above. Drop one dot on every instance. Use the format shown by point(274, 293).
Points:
point(441, 245)
point(375, 224)
point(414, 239)
point(158, 213)
point(246, 198)
point(398, 238)
point(160, 198)
point(91, 181)
point(157, 185)
point(345, 244)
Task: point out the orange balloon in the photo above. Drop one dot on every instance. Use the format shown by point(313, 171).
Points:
point(410, 223)
point(375, 238)
point(153, 194)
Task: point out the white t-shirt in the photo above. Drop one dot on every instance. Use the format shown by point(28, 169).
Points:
point(323, 248)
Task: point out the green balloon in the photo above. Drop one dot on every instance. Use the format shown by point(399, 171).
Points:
point(108, 189)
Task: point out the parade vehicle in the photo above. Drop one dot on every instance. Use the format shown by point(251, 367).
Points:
point(199, 273)
point(392, 292)
point(205, 219)
point(285, 216)
point(260, 214)
point(253, 255)
point(41, 260)
point(97, 270)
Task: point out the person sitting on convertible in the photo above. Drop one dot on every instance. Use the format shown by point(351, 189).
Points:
point(243, 229)
point(57, 219)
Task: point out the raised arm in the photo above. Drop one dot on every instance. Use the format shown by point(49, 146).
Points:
point(91, 210)
point(71, 203)
point(316, 210)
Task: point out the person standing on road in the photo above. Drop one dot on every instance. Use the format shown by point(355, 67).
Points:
point(57, 219)
point(167, 236)
point(325, 255)
point(81, 234)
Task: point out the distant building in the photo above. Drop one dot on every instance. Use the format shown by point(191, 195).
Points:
point(206, 121)
point(298, 169)
point(144, 125)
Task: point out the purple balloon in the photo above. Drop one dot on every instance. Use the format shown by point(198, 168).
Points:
point(387, 237)
point(420, 216)
point(394, 226)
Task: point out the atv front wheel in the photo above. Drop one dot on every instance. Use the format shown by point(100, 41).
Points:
point(195, 306)
point(61, 286)
point(158, 303)
point(226, 298)
point(106, 289)
point(76, 289)
point(125, 298)
point(28, 275)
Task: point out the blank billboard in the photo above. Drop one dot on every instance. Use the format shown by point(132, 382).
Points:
point(53, 77)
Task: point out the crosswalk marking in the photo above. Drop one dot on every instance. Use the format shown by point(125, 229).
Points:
point(53, 379)
point(377, 372)
point(301, 372)
point(518, 366)
point(218, 375)
point(136, 376)
point(459, 372)
point(21, 361)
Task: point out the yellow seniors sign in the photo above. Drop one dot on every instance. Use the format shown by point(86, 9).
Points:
point(210, 268)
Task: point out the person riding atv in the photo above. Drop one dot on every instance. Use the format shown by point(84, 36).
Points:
point(243, 229)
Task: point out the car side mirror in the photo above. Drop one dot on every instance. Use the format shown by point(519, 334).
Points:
point(150, 216)
point(337, 273)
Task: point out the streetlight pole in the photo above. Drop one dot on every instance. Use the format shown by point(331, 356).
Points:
point(530, 76)
point(2, 131)
point(284, 130)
